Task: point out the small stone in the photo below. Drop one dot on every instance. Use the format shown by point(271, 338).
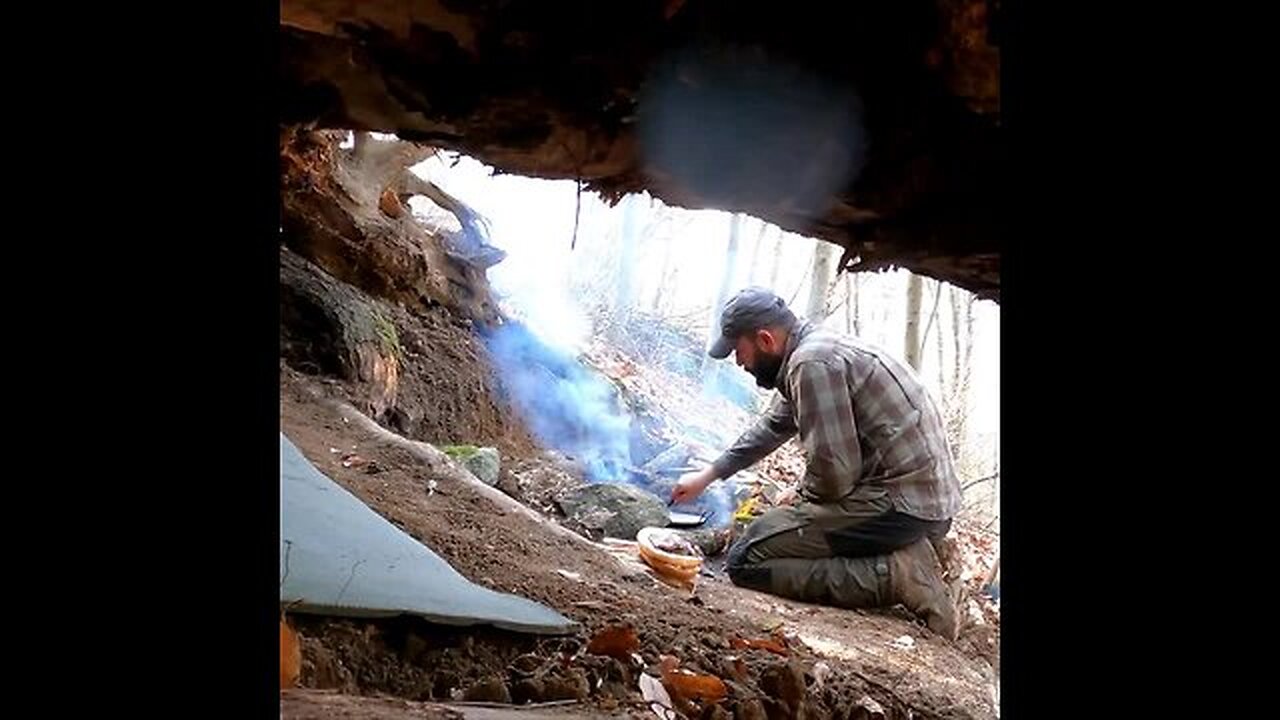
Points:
point(490, 689)
point(784, 683)
point(526, 665)
point(719, 713)
point(749, 709)
point(527, 690)
point(572, 686)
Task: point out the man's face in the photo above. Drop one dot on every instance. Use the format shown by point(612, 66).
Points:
point(759, 354)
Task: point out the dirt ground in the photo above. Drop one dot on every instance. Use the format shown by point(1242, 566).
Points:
point(305, 704)
point(836, 657)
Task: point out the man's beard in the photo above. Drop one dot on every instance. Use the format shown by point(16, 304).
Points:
point(766, 369)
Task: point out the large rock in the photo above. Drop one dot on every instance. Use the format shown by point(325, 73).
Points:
point(483, 462)
point(615, 510)
point(537, 482)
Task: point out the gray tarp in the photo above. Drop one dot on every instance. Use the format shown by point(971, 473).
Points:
point(339, 557)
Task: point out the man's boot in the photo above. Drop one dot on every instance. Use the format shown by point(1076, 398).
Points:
point(915, 580)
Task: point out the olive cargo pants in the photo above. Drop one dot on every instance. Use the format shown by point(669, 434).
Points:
point(830, 553)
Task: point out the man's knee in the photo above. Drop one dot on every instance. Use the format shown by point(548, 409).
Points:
point(744, 573)
point(736, 558)
point(755, 577)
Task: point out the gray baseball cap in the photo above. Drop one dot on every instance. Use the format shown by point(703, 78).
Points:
point(749, 310)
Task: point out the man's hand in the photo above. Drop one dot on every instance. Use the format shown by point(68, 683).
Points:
point(690, 485)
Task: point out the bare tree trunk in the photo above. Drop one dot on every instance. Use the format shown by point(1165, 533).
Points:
point(968, 340)
point(624, 298)
point(848, 304)
point(664, 276)
point(726, 282)
point(995, 462)
point(776, 265)
point(933, 314)
point(824, 254)
point(754, 268)
point(966, 373)
point(955, 338)
point(960, 371)
point(911, 343)
point(888, 296)
point(942, 369)
point(856, 280)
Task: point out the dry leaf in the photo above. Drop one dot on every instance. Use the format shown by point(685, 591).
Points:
point(290, 655)
point(688, 685)
point(615, 641)
point(390, 204)
point(774, 644)
point(747, 511)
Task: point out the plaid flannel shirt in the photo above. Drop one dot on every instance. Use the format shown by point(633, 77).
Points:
point(862, 417)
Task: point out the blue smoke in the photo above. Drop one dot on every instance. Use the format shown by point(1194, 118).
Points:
point(566, 406)
point(573, 410)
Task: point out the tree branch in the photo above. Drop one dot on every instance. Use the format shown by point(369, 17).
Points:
point(937, 295)
point(979, 481)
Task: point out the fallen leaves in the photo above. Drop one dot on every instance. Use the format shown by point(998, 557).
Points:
point(290, 655)
point(616, 641)
point(748, 510)
point(389, 204)
point(688, 685)
point(776, 644)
